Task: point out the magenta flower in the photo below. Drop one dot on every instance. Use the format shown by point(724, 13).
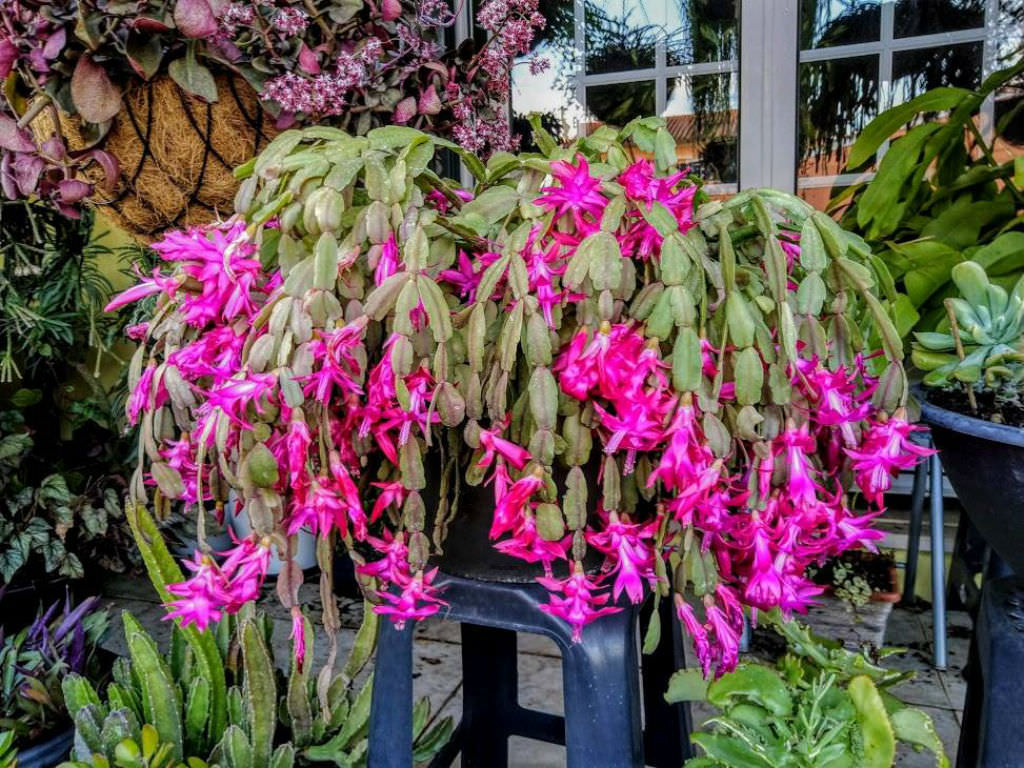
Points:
point(391, 494)
point(578, 604)
point(698, 634)
point(527, 545)
point(417, 600)
point(886, 450)
point(393, 568)
point(495, 445)
point(630, 554)
point(201, 599)
point(508, 511)
point(388, 261)
point(577, 192)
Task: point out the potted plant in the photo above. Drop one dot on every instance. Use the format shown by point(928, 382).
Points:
point(971, 400)
point(820, 706)
point(63, 640)
point(580, 356)
point(860, 592)
point(944, 193)
point(148, 107)
point(217, 698)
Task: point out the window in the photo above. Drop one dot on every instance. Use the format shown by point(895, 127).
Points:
point(613, 60)
point(762, 92)
point(861, 57)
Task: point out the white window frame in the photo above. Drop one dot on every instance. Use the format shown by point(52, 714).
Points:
point(768, 69)
point(884, 48)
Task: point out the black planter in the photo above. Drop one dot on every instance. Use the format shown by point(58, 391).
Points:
point(985, 464)
point(49, 753)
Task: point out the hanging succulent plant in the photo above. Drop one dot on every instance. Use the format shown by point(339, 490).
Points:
point(684, 386)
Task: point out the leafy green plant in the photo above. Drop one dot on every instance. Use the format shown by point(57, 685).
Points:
point(174, 698)
point(34, 661)
point(42, 522)
point(217, 698)
point(821, 706)
point(61, 458)
point(941, 196)
point(8, 752)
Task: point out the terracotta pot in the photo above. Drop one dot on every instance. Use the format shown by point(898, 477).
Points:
point(856, 626)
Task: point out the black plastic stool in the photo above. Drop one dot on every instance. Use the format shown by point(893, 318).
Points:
point(601, 684)
point(993, 730)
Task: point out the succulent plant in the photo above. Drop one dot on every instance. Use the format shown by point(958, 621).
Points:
point(217, 699)
point(983, 344)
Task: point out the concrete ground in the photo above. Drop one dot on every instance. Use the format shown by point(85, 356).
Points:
point(437, 668)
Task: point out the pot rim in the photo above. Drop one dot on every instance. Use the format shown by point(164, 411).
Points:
point(955, 421)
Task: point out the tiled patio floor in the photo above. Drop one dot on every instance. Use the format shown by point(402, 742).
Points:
point(437, 666)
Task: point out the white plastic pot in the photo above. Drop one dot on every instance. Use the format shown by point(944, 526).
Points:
point(305, 548)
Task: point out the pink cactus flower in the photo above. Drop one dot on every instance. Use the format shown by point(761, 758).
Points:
point(573, 599)
point(417, 600)
point(630, 553)
point(886, 450)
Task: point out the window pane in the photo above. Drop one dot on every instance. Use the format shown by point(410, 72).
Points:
point(619, 103)
point(701, 113)
point(927, 17)
point(550, 93)
point(837, 99)
point(914, 72)
point(708, 33)
point(827, 23)
point(623, 35)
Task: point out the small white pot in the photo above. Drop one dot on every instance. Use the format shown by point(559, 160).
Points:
point(305, 541)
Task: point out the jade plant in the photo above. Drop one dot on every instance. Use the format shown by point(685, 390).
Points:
point(820, 706)
point(684, 386)
point(216, 699)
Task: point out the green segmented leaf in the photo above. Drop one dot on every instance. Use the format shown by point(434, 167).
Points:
point(237, 750)
point(875, 729)
point(161, 701)
point(197, 714)
point(687, 362)
point(260, 693)
point(437, 309)
point(284, 757)
point(162, 571)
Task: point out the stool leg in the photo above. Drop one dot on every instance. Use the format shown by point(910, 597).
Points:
point(914, 534)
point(970, 732)
point(390, 744)
point(490, 693)
point(667, 726)
point(938, 565)
point(602, 695)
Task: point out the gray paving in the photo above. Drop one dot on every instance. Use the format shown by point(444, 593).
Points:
point(437, 669)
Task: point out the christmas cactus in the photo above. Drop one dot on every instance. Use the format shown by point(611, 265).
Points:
point(682, 385)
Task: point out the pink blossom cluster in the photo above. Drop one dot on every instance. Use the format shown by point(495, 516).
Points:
point(755, 513)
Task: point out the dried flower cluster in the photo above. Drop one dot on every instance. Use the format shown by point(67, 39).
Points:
point(683, 386)
point(354, 64)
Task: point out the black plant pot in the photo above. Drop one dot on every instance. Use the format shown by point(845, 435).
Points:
point(49, 753)
point(985, 464)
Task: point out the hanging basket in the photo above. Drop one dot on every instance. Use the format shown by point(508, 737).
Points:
point(176, 153)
